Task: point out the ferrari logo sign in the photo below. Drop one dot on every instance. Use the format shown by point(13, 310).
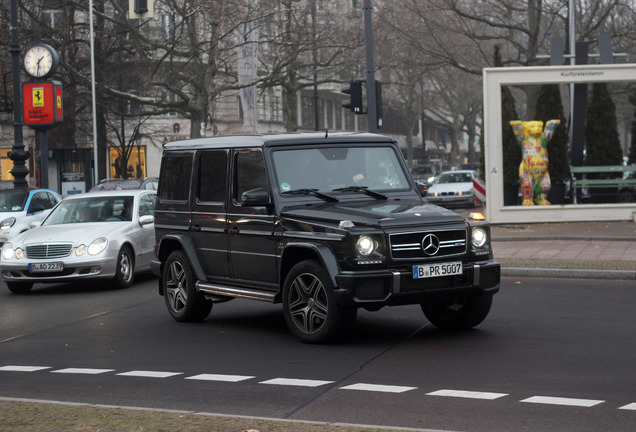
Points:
point(42, 103)
point(38, 96)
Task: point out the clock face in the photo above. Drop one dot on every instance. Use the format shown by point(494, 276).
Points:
point(40, 60)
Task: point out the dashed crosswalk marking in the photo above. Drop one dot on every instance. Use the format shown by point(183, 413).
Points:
point(467, 394)
point(219, 377)
point(149, 374)
point(296, 382)
point(549, 400)
point(380, 388)
point(83, 371)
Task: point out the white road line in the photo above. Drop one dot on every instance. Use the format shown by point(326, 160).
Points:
point(85, 371)
point(631, 406)
point(378, 388)
point(217, 377)
point(295, 382)
point(467, 394)
point(23, 368)
point(149, 374)
point(563, 401)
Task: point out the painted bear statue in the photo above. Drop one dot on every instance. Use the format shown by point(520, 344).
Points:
point(533, 170)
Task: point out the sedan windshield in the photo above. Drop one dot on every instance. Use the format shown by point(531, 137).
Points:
point(13, 200)
point(101, 209)
point(454, 177)
point(339, 169)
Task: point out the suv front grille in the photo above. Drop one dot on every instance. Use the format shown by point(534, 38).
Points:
point(44, 251)
point(428, 244)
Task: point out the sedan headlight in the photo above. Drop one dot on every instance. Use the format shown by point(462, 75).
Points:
point(97, 246)
point(365, 245)
point(7, 251)
point(7, 223)
point(479, 237)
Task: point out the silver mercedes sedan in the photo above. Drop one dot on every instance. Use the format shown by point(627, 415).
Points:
point(106, 235)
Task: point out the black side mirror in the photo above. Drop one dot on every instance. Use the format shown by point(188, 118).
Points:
point(255, 197)
point(422, 188)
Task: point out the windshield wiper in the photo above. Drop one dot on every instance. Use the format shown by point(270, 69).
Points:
point(306, 191)
point(364, 189)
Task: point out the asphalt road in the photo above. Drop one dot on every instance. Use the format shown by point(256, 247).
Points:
point(554, 355)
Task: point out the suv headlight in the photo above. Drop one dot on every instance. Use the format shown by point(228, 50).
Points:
point(365, 245)
point(479, 237)
point(7, 223)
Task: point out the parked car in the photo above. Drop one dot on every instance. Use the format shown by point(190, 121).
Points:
point(96, 235)
point(324, 223)
point(453, 189)
point(19, 208)
point(148, 183)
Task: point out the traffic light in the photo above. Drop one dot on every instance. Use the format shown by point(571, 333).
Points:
point(354, 90)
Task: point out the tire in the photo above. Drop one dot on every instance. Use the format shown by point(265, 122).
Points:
point(125, 272)
point(311, 310)
point(183, 301)
point(459, 312)
point(19, 287)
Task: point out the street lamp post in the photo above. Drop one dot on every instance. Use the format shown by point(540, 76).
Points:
point(17, 154)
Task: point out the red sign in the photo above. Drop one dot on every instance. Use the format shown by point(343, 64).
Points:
point(42, 102)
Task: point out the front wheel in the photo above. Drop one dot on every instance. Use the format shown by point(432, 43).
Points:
point(125, 272)
point(458, 312)
point(311, 310)
point(183, 301)
point(19, 287)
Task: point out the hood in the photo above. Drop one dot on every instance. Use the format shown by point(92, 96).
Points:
point(376, 213)
point(15, 214)
point(75, 233)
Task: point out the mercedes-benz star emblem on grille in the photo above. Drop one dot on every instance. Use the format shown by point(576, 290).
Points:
point(430, 244)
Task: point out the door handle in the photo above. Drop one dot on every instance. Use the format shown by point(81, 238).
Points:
point(195, 228)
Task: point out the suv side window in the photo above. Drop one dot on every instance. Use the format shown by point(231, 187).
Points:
point(250, 173)
point(175, 184)
point(212, 185)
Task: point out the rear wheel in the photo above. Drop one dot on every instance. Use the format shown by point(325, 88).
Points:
point(311, 310)
point(125, 272)
point(182, 299)
point(19, 287)
point(458, 312)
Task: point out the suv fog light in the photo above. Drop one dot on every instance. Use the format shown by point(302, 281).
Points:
point(365, 245)
point(479, 237)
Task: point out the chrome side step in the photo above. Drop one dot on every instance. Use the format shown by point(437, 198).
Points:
point(229, 291)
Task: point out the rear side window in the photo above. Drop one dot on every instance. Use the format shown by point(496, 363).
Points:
point(175, 178)
point(212, 177)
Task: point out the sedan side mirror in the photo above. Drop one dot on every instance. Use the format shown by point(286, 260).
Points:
point(146, 219)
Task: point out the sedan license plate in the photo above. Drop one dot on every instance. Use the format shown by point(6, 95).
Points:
point(46, 267)
point(436, 270)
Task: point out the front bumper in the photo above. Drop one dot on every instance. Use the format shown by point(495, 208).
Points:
point(76, 268)
point(452, 200)
point(397, 287)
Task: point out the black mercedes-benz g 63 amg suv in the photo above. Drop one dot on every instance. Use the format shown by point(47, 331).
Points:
point(324, 223)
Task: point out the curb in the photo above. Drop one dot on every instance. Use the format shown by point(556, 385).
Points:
point(569, 273)
point(560, 237)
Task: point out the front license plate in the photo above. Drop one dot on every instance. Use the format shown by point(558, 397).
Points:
point(435, 270)
point(46, 267)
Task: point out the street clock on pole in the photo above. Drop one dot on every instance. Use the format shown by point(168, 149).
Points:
point(40, 60)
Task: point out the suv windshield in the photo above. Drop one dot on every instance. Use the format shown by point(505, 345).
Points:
point(334, 168)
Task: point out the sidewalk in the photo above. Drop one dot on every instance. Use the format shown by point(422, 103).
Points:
point(598, 250)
